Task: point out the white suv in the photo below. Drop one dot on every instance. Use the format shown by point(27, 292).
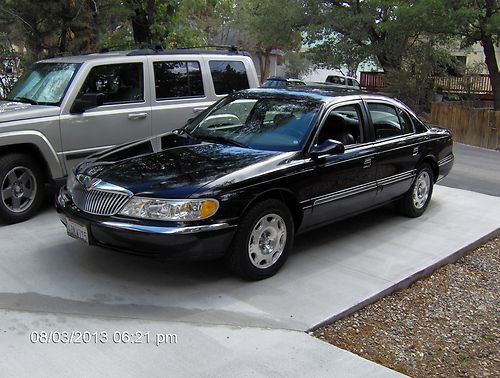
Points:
point(64, 109)
point(342, 81)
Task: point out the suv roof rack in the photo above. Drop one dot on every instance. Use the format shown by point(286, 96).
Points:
point(158, 50)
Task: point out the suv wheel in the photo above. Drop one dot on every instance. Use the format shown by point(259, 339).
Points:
point(262, 241)
point(21, 188)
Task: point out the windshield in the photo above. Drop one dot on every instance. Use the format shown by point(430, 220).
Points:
point(44, 83)
point(263, 123)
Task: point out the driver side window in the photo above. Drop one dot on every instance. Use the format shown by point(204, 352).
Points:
point(342, 124)
point(120, 83)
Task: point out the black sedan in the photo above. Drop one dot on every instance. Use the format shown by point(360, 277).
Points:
point(251, 172)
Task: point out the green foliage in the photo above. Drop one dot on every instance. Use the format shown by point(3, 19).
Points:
point(266, 26)
point(297, 64)
point(413, 82)
point(350, 32)
point(58, 27)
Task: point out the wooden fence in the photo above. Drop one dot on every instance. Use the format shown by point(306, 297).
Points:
point(477, 127)
point(473, 85)
point(477, 84)
point(372, 81)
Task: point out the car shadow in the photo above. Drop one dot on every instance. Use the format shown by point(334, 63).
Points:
point(143, 270)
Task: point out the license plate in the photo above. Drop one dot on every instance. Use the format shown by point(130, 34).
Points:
point(77, 231)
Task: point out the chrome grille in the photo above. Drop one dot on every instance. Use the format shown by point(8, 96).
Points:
point(99, 202)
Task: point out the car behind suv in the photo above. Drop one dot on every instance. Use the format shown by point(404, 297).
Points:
point(65, 109)
point(342, 81)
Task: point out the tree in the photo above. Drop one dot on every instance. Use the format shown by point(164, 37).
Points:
point(348, 32)
point(479, 21)
point(58, 27)
point(267, 26)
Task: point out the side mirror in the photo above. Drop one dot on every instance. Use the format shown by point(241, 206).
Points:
point(87, 101)
point(328, 147)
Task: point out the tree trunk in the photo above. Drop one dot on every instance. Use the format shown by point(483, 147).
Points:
point(492, 64)
point(265, 64)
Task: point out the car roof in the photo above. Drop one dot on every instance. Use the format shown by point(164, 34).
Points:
point(339, 75)
point(317, 94)
point(144, 52)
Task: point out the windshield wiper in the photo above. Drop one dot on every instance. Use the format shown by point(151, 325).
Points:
point(221, 139)
point(25, 99)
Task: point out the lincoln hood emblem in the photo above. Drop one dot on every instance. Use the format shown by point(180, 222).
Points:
point(87, 181)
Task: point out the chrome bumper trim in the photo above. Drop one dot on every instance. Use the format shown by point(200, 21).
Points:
point(166, 230)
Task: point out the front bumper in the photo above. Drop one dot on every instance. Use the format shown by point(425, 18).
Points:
point(153, 238)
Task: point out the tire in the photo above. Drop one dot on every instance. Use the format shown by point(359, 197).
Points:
point(262, 242)
point(416, 200)
point(21, 188)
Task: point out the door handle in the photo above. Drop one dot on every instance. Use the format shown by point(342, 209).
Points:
point(200, 109)
point(367, 163)
point(415, 151)
point(134, 116)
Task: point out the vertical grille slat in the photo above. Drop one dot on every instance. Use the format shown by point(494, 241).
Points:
point(99, 202)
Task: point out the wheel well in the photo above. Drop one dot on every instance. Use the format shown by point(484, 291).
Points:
point(434, 167)
point(287, 198)
point(33, 152)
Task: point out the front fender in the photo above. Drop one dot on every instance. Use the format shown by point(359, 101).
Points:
point(38, 140)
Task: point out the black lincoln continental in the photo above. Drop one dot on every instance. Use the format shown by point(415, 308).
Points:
point(248, 174)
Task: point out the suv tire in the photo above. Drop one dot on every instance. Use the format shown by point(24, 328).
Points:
point(21, 188)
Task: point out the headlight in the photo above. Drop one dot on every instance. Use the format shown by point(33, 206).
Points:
point(170, 210)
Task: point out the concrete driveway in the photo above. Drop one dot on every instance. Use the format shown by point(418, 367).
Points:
point(50, 282)
point(333, 270)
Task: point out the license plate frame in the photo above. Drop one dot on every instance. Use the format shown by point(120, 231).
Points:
point(77, 231)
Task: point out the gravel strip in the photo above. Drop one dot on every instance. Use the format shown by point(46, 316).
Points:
point(446, 325)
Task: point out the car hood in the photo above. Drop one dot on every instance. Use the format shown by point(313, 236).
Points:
point(178, 169)
point(16, 111)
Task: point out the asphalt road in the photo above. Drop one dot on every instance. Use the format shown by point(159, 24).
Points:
point(476, 169)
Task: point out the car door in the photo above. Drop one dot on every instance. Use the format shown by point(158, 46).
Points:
point(345, 183)
point(125, 114)
point(397, 148)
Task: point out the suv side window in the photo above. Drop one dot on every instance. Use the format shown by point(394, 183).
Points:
point(350, 82)
point(385, 121)
point(120, 83)
point(228, 76)
point(178, 79)
point(342, 124)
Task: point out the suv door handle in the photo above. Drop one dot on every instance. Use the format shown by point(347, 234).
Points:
point(200, 109)
point(134, 116)
point(367, 163)
point(415, 151)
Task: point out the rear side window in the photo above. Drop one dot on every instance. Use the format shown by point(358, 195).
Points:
point(405, 121)
point(228, 76)
point(177, 80)
point(419, 126)
point(385, 121)
point(336, 80)
point(118, 82)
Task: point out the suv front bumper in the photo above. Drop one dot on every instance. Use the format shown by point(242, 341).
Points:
point(153, 238)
